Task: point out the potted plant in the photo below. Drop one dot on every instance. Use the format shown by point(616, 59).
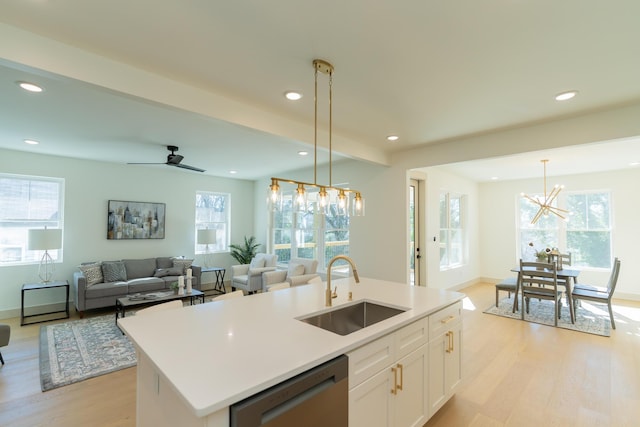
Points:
point(245, 253)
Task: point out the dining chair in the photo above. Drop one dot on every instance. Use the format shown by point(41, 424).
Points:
point(540, 280)
point(599, 294)
point(509, 285)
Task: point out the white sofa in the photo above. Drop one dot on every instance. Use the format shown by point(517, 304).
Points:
point(299, 271)
point(248, 277)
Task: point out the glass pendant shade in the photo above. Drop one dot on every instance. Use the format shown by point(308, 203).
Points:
point(323, 201)
point(301, 198)
point(357, 205)
point(342, 203)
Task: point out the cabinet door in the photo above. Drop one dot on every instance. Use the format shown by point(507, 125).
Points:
point(411, 403)
point(370, 402)
point(445, 371)
point(437, 388)
point(453, 360)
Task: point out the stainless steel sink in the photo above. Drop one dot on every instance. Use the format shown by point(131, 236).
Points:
point(350, 318)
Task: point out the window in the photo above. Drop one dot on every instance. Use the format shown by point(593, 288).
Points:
point(212, 211)
point(28, 202)
point(451, 230)
point(586, 233)
point(308, 235)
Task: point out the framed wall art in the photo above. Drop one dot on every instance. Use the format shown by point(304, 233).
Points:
point(135, 220)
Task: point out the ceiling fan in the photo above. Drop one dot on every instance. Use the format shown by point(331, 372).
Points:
point(173, 159)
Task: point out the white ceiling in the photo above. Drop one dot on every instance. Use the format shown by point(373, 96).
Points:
point(428, 71)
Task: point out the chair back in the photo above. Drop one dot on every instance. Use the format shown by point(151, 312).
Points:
point(310, 265)
point(559, 259)
point(613, 279)
point(537, 274)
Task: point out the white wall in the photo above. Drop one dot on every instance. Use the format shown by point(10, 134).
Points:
point(498, 244)
point(88, 187)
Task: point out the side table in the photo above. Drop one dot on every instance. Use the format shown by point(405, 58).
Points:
point(219, 272)
point(39, 286)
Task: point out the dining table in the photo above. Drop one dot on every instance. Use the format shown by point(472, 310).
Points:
point(565, 277)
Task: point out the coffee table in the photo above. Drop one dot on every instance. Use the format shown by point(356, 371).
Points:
point(152, 298)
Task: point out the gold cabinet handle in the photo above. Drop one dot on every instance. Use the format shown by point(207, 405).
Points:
point(449, 334)
point(448, 319)
point(395, 381)
point(452, 341)
point(401, 376)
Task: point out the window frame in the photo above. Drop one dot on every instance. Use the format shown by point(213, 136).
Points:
point(446, 244)
point(223, 228)
point(561, 230)
point(29, 257)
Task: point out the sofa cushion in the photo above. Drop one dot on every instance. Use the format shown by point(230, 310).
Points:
point(137, 268)
point(295, 270)
point(173, 271)
point(92, 273)
point(182, 263)
point(144, 284)
point(108, 289)
point(114, 271)
point(164, 262)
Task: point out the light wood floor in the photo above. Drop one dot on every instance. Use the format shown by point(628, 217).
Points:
point(515, 374)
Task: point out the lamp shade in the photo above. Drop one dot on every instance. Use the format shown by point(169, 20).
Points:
point(45, 239)
point(206, 236)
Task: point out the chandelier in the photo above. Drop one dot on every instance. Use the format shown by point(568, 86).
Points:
point(545, 204)
point(344, 198)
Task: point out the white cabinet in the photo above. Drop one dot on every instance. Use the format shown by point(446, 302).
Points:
point(403, 378)
point(388, 379)
point(445, 345)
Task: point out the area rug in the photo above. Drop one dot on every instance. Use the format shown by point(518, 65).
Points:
point(590, 318)
point(82, 349)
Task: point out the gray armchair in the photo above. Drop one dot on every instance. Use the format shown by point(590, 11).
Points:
point(299, 272)
point(248, 277)
point(5, 334)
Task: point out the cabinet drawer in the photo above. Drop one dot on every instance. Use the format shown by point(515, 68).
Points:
point(441, 320)
point(411, 337)
point(366, 361)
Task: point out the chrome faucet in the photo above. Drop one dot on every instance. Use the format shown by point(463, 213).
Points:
point(334, 259)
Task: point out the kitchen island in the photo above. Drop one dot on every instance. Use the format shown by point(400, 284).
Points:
point(193, 363)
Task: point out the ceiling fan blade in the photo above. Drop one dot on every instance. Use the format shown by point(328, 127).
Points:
point(174, 159)
point(192, 168)
point(144, 163)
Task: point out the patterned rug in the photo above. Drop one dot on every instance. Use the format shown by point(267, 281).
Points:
point(82, 349)
point(590, 318)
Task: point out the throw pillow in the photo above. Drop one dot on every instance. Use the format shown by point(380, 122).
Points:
point(257, 262)
point(114, 271)
point(173, 271)
point(183, 264)
point(92, 272)
point(295, 270)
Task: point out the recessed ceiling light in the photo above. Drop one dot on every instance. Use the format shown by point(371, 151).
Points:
point(30, 87)
point(634, 164)
point(31, 142)
point(233, 172)
point(292, 96)
point(392, 138)
point(494, 178)
point(303, 153)
point(566, 95)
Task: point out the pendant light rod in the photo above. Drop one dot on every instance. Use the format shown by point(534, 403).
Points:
point(545, 205)
point(324, 67)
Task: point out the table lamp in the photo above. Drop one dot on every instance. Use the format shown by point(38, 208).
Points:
point(44, 240)
point(206, 236)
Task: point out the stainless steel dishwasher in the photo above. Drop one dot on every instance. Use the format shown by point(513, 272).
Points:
point(318, 397)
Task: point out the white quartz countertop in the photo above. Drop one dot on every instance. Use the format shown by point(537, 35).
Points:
point(218, 353)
